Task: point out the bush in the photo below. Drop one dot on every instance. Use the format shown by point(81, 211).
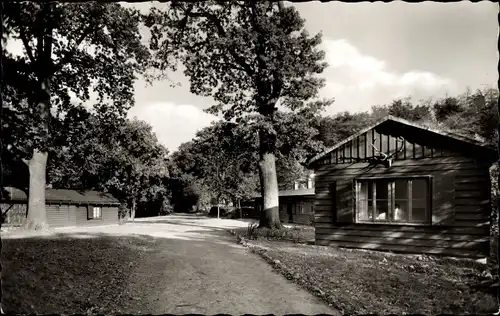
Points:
point(294, 234)
point(166, 208)
point(251, 234)
point(225, 212)
point(122, 213)
point(166, 211)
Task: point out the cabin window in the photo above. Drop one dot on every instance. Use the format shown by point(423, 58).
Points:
point(307, 208)
point(95, 212)
point(393, 200)
point(300, 208)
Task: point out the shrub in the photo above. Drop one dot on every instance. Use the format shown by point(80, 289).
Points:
point(226, 212)
point(295, 234)
point(251, 231)
point(122, 213)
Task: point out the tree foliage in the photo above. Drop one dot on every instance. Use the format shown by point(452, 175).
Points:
point(124, 158)
point(223, 157)
point(333, 129)
point(470, 114)
point(250, 57)
point(69, 50)
point(80, 48)
point(243, 54)
point(221, 160)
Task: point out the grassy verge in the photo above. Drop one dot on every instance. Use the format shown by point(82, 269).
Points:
point(296, 233)
point(66, 275)
point(362, 282)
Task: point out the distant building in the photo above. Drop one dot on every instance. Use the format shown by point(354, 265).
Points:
point(64, 207)
point(296, 203)
point(306, 182)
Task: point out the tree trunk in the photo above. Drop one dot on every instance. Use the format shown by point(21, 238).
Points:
point(269, 216)
point(132, 210)
point(37, 214)
point(37, 164)
point(239, 207)
point(498, 198)
point(218, 206)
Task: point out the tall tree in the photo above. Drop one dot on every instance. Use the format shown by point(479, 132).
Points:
point(447, 107)
point(471, 114)
point(141, 165)
point(405, 109)
point(68, 48)
point(83, 145)
point(124, 158)
point(497, 114)
point(333, 129)
point(250, 57)
point(221, 160)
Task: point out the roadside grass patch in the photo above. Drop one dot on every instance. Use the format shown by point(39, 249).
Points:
point(296, 234)
point(367, 282)
point(62, 274)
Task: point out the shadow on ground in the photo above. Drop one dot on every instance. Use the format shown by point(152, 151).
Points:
point(177, 264)
point(96, 271)
point(65, 274)
point(136, 272)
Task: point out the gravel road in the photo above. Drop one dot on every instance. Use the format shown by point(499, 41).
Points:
point(193, 266)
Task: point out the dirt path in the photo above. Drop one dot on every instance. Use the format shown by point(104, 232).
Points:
point(215, 276)
point(193, 266)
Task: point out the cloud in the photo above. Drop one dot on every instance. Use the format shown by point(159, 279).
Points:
point(172, 123)
point(358, 81)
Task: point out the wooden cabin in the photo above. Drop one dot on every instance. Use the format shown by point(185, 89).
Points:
point(64, 207)
point(397, 186)
point(295, 206)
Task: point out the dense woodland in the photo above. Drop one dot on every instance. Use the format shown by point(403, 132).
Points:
point(267, 93)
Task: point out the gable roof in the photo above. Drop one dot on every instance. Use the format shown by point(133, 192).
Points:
point(404, 122)
point(298, 192)
point(63, 196)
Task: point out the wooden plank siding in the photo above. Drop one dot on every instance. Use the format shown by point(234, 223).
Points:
point(72, 215)
point(109, 216)
point(460, 205)
point(58, 215)
point(61, 215)
point(307, 203)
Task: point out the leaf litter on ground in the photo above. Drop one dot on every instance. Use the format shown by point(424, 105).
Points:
point(360, 282)
point(65, 275)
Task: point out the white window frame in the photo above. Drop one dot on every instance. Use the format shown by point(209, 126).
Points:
point(391, 201)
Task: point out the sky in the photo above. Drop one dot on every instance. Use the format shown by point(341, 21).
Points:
point(376, 52)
